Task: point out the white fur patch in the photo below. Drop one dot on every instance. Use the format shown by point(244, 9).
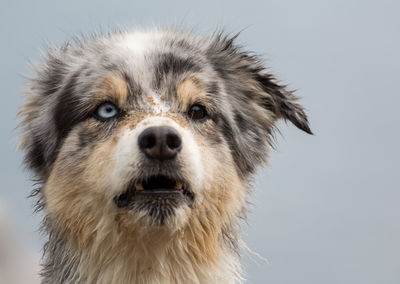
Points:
point(139, 42)
point(158, 105)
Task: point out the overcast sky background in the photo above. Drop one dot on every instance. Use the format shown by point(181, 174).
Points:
point(327, 207)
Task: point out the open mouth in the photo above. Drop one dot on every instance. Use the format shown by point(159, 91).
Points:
point(155, 190)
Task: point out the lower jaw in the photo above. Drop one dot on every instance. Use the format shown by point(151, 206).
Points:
point(172, 198)
point(157, 209)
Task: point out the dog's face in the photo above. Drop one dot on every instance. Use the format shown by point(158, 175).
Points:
point(150, 131)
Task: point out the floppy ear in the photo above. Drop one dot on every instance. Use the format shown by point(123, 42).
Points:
point(282, 102)
point(254, 80)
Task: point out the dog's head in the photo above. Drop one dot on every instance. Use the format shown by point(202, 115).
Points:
point(150, 131)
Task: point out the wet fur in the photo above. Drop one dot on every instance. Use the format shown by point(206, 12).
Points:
point(82, 163)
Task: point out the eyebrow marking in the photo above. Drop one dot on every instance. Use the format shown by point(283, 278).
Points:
point(189, 90)
point(116, 86)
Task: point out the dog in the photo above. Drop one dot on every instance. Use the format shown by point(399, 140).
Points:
point(144, 144)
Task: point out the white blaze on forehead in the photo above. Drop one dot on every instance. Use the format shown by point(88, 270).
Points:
point(127, 155)
point(140, 42)
point(132, 49)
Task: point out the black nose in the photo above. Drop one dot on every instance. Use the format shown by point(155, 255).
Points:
point(160, 142)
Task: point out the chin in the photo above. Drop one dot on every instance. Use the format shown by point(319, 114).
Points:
point(144, 144)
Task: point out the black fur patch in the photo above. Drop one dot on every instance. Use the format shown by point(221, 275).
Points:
point(244, 165)
point(35, 154)
point(170, 63)
point(66, 112)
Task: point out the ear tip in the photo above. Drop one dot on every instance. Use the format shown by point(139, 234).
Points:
point(303, 123)
point(308, 130)
point(305, 127)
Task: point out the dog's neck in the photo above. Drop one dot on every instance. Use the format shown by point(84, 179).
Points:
point(159, 257)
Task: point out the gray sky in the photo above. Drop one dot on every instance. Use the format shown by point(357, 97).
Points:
point(326, 208)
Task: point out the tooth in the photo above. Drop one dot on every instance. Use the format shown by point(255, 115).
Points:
point(139, 186)
point(178, 185)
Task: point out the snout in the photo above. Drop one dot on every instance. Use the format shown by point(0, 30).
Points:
point(160, 142)
point(160, 172)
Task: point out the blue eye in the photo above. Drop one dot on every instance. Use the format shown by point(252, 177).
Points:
point(106, 110)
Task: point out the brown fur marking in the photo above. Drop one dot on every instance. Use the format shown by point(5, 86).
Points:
point(113, 86)
point(190, 90)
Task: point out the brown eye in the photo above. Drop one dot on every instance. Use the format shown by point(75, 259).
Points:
point(197, 112)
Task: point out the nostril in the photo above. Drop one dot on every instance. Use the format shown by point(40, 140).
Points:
point(174, 141)
point(147, 140)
